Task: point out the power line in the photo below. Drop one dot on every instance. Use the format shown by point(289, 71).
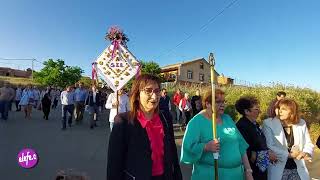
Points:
point(24, 59)
point(20, 59)
point(202, 27)
point(13, 64)
point(19, 66)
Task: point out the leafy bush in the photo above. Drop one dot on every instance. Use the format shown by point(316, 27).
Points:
point(308, 100)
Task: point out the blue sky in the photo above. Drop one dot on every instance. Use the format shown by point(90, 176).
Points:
point(254, 41)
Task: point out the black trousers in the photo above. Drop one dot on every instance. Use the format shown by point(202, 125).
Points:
point(46, 112)
point(67, 109)
point(18, 107)
point(257, 174)
point(157, 178)
point(188, 116)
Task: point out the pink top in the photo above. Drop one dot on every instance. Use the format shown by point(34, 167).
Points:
point(155, 133)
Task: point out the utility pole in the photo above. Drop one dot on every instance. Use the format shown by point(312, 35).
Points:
point(32, 68)
point(32, 63)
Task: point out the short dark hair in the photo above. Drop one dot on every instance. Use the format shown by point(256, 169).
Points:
point(244, 103)
point(282, 93)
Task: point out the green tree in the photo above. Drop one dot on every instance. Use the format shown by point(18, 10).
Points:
point(150, 67)
point(87, 82)
point(56, 73)
point(147, 67)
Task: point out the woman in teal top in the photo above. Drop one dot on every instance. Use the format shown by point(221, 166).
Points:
point(198, 144)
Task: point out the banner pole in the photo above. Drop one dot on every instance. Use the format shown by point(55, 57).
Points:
point(213, 105)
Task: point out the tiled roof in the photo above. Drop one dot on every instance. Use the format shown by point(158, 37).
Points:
point(183, 62)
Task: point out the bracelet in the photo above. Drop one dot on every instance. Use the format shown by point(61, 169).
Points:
point(249, 171)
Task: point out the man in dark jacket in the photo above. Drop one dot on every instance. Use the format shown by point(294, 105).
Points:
point(196, 103)
point(164, 103)
point(93, 102)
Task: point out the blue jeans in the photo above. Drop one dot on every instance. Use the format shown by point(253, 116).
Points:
point(178, 114)
point(4, 109)
point(67, 109)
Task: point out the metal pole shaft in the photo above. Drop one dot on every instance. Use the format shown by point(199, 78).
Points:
point(32, 68)
point(213, 103)
point(117, 101)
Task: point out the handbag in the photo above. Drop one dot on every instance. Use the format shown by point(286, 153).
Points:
point(262, 160)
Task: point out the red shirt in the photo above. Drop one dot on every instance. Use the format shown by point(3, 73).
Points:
point(176, 99)
point(155, 133)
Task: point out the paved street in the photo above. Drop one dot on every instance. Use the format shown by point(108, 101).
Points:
point(78, 148)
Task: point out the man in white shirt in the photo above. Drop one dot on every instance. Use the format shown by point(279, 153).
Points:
point(123, 105)
point(67, 101)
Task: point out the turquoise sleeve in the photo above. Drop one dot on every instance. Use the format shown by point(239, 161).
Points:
point(192, 148)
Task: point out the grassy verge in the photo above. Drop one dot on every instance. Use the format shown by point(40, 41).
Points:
point(17, 81)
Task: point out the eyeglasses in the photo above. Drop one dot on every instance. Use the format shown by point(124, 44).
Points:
point(150, 91)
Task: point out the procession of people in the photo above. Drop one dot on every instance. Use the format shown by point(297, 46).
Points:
point(142, 121)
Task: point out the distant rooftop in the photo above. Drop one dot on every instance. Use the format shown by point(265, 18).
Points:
point(183, 62)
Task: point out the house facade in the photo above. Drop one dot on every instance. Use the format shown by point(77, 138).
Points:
point(194, 71)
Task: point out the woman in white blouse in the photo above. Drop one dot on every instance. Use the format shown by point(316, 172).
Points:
point(185, 107)
point(112, 104)
point(287, 135)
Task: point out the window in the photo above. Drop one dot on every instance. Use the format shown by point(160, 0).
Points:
point(189, 74)
point(172, 76)
point(201, 77)
point(201, 65)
